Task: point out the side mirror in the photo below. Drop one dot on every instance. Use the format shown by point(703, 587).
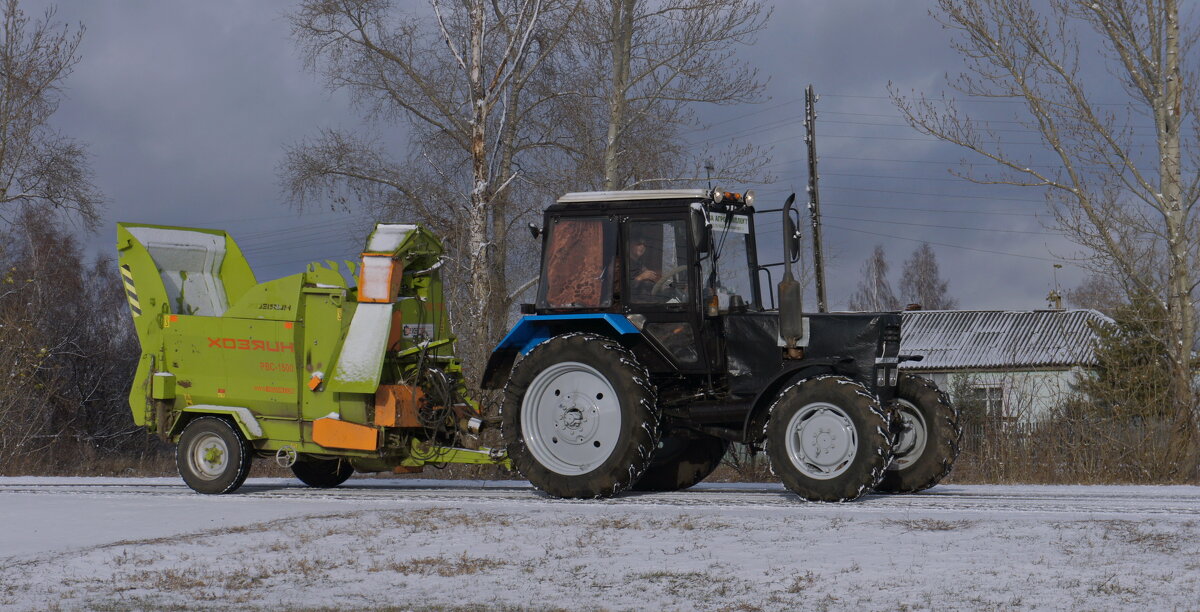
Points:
point(534, 230)
point(700, 229)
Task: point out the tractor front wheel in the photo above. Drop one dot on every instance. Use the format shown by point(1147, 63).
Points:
point(927, 444)
point(213, 457)
point(579, 417)
point(322, 473)
point(681, 461)
point(827, 439)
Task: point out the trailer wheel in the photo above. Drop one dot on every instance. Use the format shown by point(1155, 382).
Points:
point(579, 417)
point(682, 461)
point(322, 473)
point(928, 444)
point(827, 439)
point(212, 456)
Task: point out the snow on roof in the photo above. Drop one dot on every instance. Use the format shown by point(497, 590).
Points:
point(975, 339)
point(639, 194)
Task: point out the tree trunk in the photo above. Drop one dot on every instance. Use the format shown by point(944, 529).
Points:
point(1179, 303)
point(622, 41)
point(479, 247)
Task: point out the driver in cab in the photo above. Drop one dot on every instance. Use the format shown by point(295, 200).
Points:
point(645, 274)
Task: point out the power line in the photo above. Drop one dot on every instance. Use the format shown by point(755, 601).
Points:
point(1004, 213)
point(936, 195)
point(744, 115)
point(952, 246)
point(953, 227)
point(972, 100)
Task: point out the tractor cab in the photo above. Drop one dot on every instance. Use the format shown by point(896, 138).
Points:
point(671, 262)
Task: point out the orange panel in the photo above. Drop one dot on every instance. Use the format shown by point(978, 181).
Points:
point(397, 406)
point(373, 284)
point(397, 333)
point(408, 469)
point(335, 433)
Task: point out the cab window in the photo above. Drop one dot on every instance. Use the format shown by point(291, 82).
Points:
point(578, 263)
point(656, 270)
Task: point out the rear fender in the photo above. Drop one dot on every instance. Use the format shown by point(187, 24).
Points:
point(242, 417)
point(533, 330)
point(756, 419)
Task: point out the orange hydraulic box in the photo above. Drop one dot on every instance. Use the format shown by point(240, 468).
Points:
point(335, 433)
point(398, 406)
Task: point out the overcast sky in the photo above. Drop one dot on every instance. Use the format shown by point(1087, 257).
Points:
point(186, 107)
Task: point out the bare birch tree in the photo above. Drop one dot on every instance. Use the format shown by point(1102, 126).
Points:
point(921, 282)
point(874, 292)
point(1090, 78)
point(459, 79)
point(646, 64)
point(37, 164)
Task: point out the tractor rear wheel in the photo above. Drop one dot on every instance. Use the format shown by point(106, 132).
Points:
point(579, 417)
point(212, 455)
point(927, 444)
point(827, 439)
point(681, 461)
point(322, 473)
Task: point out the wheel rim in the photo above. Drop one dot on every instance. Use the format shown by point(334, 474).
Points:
point(209, 457)
point(570, 418)
point(821, 440)
point(910, 444)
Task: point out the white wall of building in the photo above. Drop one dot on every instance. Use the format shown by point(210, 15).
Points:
point(1026, 396)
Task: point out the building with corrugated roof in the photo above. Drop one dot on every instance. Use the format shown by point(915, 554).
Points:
point(1018, 365)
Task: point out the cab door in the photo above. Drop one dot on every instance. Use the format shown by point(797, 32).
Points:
point(659, 280)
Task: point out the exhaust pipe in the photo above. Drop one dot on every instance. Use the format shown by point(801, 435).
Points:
point(791, 294)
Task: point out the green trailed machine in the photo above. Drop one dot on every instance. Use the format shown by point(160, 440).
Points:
point(327, 376)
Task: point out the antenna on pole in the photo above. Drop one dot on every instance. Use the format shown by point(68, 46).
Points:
point(1055, 297)
point(814, 196)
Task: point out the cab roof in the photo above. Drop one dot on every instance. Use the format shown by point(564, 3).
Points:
point(635, 194)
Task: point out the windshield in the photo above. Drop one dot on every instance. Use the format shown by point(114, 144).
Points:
point(730, 255)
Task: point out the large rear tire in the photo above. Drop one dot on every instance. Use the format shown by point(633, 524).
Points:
point(827, 439)
point(212, 456)
point(322, 473)
point(682, 460)
point(928, 442)
point(579, 417)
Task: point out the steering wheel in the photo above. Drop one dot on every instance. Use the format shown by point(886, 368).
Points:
point(659, 286)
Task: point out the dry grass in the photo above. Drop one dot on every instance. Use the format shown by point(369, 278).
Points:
point(930, 524)
point(802, 583)
point(446, 567)
point(158, 464)
point(1075, 451)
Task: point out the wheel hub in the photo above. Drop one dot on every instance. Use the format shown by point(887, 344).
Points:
point(209, 457)
point(577, 420)
point(910, 443)
point(570, 418)
point(822, 440)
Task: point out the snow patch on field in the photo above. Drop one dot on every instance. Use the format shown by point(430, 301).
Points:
point(530, 552)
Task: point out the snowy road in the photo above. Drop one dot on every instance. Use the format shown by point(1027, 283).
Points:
point(138, 543)
point(1097, 500)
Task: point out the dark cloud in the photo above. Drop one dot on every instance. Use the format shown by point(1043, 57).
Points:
point(187, 106)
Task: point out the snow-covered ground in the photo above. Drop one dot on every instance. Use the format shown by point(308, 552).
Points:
point(117, 544)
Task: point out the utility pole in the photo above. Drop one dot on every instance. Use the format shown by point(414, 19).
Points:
point(814, 196)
